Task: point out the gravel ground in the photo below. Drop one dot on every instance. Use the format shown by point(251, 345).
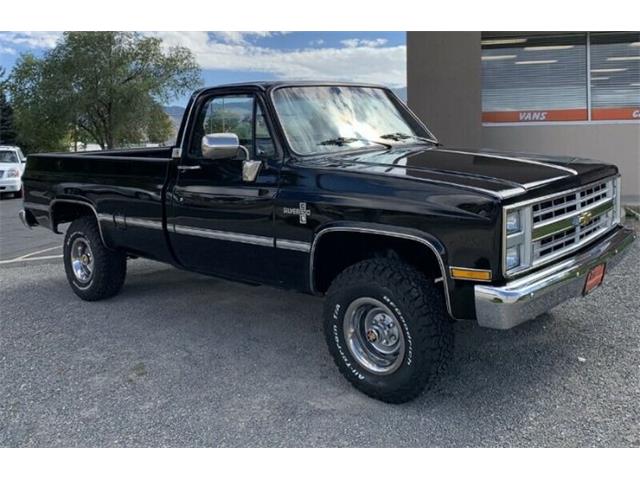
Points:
point(179, 359)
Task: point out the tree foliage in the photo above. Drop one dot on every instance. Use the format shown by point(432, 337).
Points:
point(7, 128)
point(102, 87)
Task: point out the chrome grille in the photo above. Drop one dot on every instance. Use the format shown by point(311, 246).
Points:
point(553, 243)
point(554, 208)
point(567, 221)
point(555, 225)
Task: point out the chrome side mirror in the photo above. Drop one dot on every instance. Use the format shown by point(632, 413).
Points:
point(222, 146)
point(218, 146)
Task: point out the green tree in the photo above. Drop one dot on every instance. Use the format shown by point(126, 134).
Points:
point(102, 87)
point(7, 128)
point(40, 121)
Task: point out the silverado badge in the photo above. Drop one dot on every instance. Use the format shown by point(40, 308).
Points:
point(301, 211)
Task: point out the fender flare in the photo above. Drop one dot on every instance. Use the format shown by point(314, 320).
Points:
point(99, 217)
point(436, 247)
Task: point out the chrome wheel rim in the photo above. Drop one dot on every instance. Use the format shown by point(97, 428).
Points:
point(82, 260)
point(374, 336)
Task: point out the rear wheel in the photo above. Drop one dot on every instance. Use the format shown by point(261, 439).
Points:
point(387, 328)
point(93, 271)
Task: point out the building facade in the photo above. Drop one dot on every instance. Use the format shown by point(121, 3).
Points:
point(559, 93)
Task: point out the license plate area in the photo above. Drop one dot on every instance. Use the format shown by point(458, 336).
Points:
point(594, 278)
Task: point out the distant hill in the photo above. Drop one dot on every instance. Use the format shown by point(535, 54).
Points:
point(175, 114)
point(174, 110)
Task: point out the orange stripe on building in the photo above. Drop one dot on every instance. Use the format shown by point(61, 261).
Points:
point(627, 113)
point(566, 115)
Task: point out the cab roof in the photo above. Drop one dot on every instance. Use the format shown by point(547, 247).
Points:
point(272, 84)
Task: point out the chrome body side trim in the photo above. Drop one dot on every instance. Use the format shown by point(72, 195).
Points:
point(377, 231)
point(35, 206)
point(505, 306)
point(142, 222)
point(293, 245)
point(222, 235)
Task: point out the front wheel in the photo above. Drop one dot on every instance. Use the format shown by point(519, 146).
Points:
point(387, 328)
point(93, 271)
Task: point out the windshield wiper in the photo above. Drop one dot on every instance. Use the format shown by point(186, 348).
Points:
point(403, 136)
point(342, 141)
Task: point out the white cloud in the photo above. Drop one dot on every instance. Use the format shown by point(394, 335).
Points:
point(7, 51)
point(29, 39)
point(361, 42)
point(373, 63)
point(358, 60)
point(316, 43)
point(241, 38)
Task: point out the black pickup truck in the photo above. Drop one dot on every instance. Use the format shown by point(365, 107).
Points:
point(340, 190)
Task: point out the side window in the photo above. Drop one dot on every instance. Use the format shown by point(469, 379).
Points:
point(234, 114)
point(265, 148)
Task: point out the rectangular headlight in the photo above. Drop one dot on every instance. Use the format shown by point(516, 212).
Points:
point(516, 231)
point(512, 259)
point(512, 222)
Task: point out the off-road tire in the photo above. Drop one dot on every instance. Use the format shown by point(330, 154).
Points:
point(109, 266)
point(418, 304)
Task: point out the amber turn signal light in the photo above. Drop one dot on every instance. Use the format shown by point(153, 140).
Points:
point(470, 274)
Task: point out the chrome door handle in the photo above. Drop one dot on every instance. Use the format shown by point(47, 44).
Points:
point(183, 168)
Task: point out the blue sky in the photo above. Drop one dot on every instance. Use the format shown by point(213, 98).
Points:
point(375, 57)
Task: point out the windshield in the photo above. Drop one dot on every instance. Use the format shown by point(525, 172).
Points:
point(319, 119)
point(8, 156)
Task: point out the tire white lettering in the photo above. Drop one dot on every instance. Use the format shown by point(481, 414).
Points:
point(406, 328)
point(346, 361)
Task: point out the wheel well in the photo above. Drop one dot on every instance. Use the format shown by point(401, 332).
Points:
point(336, 251)
point(66, 212)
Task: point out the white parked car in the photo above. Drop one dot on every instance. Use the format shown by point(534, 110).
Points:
point(12, 163)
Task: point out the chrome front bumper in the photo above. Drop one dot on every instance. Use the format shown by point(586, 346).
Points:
point(506, 306)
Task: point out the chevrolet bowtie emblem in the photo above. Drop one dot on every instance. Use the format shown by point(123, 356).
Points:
point(584, 219)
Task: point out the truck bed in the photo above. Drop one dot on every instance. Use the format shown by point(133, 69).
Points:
point(117, 185)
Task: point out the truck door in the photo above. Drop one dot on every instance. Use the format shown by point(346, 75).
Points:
point(217, 222)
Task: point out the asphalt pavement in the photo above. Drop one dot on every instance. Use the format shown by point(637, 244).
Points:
point(180, 359)
point(16, 240)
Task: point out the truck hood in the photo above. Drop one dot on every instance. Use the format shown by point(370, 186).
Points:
point(498, 173)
